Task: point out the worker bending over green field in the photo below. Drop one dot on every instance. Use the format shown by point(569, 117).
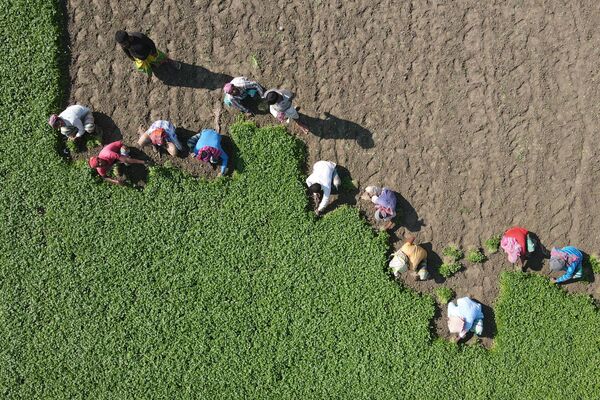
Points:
point(385, 204)
point(241, 93)
point(324, 175)
point(74, 122)
point(568, 259)
point(464, 316)
point(112, 153)
point(281, 107)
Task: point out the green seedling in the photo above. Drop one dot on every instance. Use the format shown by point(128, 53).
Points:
point(476, 256)
point(454, 252)
point(444, 294)
point(493, 244)
point(448, 269)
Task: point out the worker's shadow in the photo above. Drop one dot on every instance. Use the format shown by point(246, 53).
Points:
point(433, 263)
point(332, 127)
point(106, 128)
point(191, 76)
point(535, 261)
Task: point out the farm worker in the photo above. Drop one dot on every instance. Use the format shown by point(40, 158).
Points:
point(280, 105)
point(206, 147)
point(385, 204)
point(568, 259)
point(74, 122)
point(240, 90)
point(464, 316)
point(324, 174)
point(417, 258)
point(518, 244)
point(109, 155)
point(142, 50)
point(160, 134)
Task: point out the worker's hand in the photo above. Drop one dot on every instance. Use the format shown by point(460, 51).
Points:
point(219, 174)
point(281, 117)
point(317, 213)
point(71, 138)
point(553, 280)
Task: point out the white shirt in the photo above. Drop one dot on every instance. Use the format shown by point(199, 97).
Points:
point(323, 175)
point(467, 309)
point(74, 116)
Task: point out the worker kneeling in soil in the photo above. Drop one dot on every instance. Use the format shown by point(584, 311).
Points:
point(161, 134)
point(464, 316)
point(110, 154)
point(385, 204)
point(241, 92)
point(324, 175)
point(518, 244)
point(410, 256)
point(568, 259)
point(206, 147)
point(74, 122)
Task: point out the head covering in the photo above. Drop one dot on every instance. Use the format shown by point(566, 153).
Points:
point(214, 160)
point(272, 97)
point(228, 88)
point(556, 264)
point(93, 162)
point(158, 137)
point(380, 214)
point(456, 325)
point(511, 247)
point(121, 37)
point(53, 120)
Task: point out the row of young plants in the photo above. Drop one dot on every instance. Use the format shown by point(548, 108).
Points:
point(228, 288)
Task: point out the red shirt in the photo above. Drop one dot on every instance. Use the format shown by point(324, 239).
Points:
point(520, 235)
point(110, 154)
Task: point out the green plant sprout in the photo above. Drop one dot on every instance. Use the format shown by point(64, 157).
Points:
point(444, 294)
point(493, 244)
point(448, 269)
point(476, 256)
point(453, 252)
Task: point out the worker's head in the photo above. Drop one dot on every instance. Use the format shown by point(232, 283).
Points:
point(158, 137)
point(556, 264)
point(55, 122)
point(230, 89)
point(214, 160)
point(272, 97)
point(315, 188)
point(97, 162)
point(122, 38)
point(456, 324)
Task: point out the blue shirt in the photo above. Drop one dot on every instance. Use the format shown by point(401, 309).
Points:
point(573, 268)
point(211, 138)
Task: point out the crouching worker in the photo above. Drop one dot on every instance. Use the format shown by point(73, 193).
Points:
point(240, 91)
point(161, 134)
point(385, 204)
point(410, 256)
point(324, 175)
point(206, 147)
point(111, 154)
point(568, 259)
point(518, 244)
point(464, 316)
point(74, 122)
point(281, 107)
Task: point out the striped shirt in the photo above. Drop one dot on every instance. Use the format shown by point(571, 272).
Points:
point(573, 262)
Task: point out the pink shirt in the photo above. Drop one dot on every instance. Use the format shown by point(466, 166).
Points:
point(111, 154)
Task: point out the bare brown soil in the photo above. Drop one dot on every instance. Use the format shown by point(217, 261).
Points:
point(482, 114)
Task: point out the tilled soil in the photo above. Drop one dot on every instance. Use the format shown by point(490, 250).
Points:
point(482, 115)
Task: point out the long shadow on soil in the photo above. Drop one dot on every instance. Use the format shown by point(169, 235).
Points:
point(191, 76)
point(332, 127)
point(535, 262)
point(106, 128)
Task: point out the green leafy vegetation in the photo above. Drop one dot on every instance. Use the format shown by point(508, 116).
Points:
point(229, 288)
point(454, 252)
point(444, 294)
point(493, 244)
point(476, 256)
point(593, 263)
point(92, 141)
point(448, 269)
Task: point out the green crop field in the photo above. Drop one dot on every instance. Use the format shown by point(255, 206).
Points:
point(230, 288)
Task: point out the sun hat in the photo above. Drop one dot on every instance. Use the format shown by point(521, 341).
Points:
point(228, 88)
point(93, 162)
point(53, 120)
point(556, 264)
point(158, 136)
point(456, 325)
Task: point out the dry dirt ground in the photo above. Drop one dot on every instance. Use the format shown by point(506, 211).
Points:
point(481, 114)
